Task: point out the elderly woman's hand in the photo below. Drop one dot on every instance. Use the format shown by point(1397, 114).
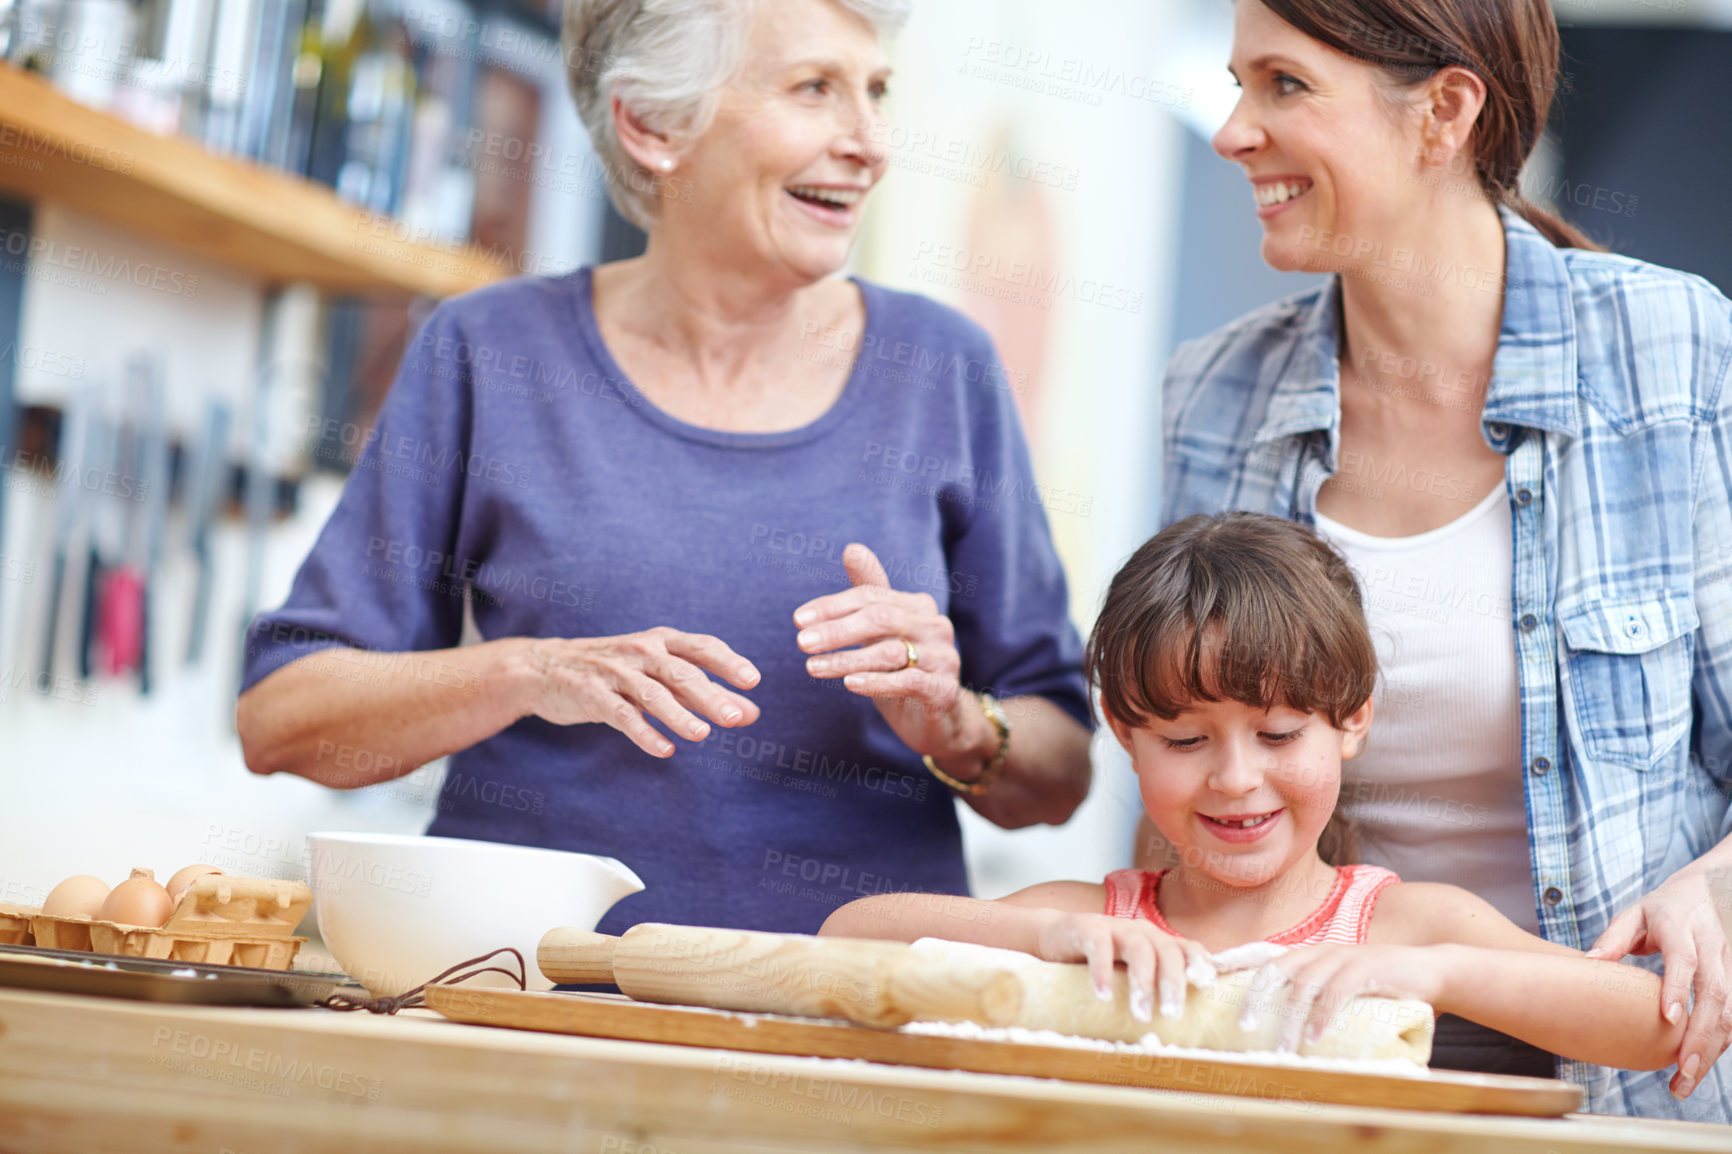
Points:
point(864, 635)
point(1681, 920)
point(661, 671)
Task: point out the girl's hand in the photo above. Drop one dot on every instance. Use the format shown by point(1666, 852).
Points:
point(1322, 979)
point(1681, 921)
point(661, 671)
point(1150, 955)
point(873, 625)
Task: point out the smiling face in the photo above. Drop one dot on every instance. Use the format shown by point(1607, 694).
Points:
point(1325, 148)
point(1242, 793)
point(780, 178)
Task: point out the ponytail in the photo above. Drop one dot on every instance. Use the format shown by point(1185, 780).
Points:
point(1338, 844)
point(1560, 232)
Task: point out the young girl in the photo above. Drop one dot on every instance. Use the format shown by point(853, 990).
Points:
point(1236, 669)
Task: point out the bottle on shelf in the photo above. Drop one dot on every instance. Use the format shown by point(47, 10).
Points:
point(335, 29)
point(270, 96)
point(306, 76)
point(381, 110)
point(439, 187)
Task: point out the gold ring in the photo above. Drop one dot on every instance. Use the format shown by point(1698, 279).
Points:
point(913, 655)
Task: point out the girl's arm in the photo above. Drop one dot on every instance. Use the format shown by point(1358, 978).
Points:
point(1012, 923)
point(1058, 921)
point(1455, 950)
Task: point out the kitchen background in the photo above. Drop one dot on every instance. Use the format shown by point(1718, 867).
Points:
point(190, 354)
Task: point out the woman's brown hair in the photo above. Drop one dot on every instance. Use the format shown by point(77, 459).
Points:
point(1242, 607)
point(1512, 45)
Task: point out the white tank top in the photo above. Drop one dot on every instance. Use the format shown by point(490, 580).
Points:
point(1437, 791)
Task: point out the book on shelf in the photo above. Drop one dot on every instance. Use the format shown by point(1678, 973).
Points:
point(380, 100)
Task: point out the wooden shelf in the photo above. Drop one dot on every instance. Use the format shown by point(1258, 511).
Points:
point(278, 227)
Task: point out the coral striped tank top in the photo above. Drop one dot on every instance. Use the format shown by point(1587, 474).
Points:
point(1343, 918)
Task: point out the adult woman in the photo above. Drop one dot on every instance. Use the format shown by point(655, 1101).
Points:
point(1522, 445)
point(643, 477)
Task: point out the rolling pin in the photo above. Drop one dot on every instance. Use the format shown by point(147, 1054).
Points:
point(880, 983)
point(873, 983)
point(1059, 996)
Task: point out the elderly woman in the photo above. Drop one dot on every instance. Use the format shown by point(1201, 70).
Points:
point(753, 613)
point(1522, 445)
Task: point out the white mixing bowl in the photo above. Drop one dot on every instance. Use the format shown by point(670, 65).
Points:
point(395, 910)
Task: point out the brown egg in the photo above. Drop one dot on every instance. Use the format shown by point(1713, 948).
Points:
point(138, 901)
point(184, 877)
point(76, 897)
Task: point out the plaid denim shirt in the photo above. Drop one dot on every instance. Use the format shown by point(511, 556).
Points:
point(1608, 400)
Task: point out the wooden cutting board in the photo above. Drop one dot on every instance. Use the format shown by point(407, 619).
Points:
point(613, 1016)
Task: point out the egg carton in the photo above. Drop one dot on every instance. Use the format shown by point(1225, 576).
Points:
point(219, 920)
point(15, 929)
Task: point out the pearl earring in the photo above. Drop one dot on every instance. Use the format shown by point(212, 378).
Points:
point(666, 164)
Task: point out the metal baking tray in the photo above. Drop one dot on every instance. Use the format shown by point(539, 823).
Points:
point(156, 980)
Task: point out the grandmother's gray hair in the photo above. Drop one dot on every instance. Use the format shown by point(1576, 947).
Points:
point(667, 61)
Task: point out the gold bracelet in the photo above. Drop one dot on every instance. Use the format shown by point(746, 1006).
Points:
point(994, 765)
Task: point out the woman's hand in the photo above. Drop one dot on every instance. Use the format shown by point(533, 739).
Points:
point(872, 626)
point(1681, 922)
point(661, 671)
point(1322, 979)
point(1153, 958)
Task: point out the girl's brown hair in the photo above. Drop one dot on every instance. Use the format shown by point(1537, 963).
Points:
point(1512, 45)
point(1242, 607)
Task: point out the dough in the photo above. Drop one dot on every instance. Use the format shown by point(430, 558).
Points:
point(1060, 997)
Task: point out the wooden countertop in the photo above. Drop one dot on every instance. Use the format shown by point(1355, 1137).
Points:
point(97, 1075)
